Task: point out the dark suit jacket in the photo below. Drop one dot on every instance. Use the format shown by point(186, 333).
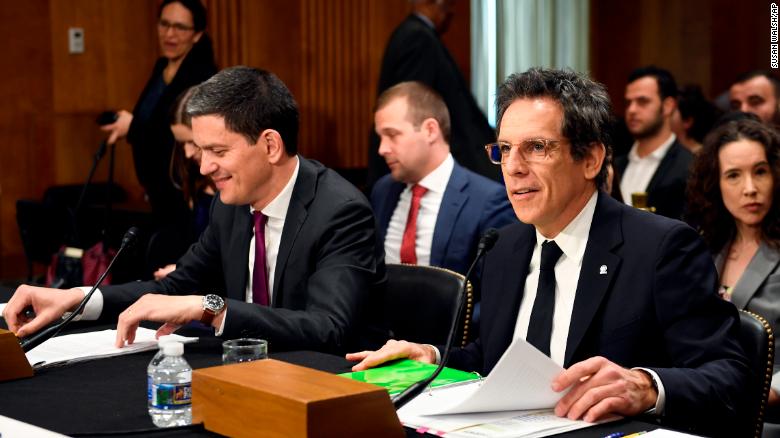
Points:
point(656, 307)
point(152, 139)
point(328, 261)
point(666, 190)
point(415, 53)
point(471, 204)
point(758, 289)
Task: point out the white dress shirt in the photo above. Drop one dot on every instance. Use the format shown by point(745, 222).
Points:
point(639, 171)
point(572, 241)
point(276, 210)
point(436, 183)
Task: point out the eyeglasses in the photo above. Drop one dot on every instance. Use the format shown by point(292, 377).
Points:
point(532, 150)
point(164, 25)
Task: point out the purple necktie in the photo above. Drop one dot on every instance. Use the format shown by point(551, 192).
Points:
point(259, 276)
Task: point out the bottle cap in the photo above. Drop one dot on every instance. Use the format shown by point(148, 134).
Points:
point(164, 339)
point(173, 348)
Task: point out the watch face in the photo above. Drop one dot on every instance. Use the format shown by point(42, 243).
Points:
point(214, 303)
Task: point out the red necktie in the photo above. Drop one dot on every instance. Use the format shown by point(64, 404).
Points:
point(259, 276)
point(408, 245)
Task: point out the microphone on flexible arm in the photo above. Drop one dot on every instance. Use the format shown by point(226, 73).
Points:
point(30, 342)
point(486, 242)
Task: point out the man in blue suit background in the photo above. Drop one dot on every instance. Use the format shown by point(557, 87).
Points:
point(430, 210)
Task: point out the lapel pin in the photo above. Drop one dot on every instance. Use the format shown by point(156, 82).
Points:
point(603, 270)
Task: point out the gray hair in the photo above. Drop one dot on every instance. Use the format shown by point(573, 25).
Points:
point(587, 113)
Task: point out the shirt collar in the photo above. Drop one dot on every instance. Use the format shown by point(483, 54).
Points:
point(437, 180)
point(574, 238)
point(657, 154)
point(426, 20)
point(277, 208)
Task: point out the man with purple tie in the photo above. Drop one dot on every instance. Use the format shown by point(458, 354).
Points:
point(290, 251)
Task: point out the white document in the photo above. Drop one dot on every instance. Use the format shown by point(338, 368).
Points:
point(92, 345)
point(526, 424)
point(520, 381)
point(665, 433)
point(10, 428)
point(2, 306)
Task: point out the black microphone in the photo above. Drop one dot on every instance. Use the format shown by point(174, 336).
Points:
point(485, 244)
point(33, 341)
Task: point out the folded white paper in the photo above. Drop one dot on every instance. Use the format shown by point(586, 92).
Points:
point(92, 345)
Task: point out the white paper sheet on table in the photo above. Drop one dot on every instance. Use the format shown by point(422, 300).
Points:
point(520, 381)
point(92, 345)
point(514, 400)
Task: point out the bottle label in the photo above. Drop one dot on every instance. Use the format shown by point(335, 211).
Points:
point(170, 395)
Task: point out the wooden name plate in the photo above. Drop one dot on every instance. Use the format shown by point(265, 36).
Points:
point(14, 364)
point(270, 398)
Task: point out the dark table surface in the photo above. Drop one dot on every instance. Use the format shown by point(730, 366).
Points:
point(106, 396)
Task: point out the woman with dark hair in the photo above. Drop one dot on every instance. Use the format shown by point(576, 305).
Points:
point(187, 60)
point(198, 190)
point(731, 192)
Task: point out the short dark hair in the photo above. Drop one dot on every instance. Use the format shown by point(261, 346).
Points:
point(195, 7)
point(748, 75)
point(423, 103)
point(693, 105)
point(250, 100)
point(667, 87)
point(706, 210)
point(587, 114)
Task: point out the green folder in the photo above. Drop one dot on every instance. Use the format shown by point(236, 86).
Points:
point(396, 376)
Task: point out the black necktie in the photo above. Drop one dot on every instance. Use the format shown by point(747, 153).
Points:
point(540, 328)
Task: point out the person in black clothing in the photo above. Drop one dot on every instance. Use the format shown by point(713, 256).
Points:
point(416, 53)
point(187, 60)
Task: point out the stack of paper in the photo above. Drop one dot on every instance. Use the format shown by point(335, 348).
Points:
point(515, 400)
point(79, 347)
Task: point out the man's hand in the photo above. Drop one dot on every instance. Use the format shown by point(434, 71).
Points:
point(173, 311)
point(390, 351)
point(47, 303)
point(600, 388)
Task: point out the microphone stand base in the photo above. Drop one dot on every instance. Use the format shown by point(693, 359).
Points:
point(14, 364)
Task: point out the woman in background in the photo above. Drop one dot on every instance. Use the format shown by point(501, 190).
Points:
point(187, 60)
point(197, 189)
point(731, 192)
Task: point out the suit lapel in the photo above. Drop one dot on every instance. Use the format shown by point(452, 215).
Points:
point(759, 268)
point(244, 227)
point(302, 195)
point(599, 267)
point(387, 207)
point(512, 283)
point(663, 167)
point(451, 205)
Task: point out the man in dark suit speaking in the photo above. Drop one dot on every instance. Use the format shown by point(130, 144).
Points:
point(625, 300)
point(290, 250)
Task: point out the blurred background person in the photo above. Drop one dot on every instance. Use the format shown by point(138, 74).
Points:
point(657, 164)
point(694, 117)
point(198, 190)
point(187, 59)
point(731, 202)
point(415, 52)
point(757, 92)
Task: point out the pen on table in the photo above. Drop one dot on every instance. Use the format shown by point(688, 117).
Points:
point(635, 434)
point(615, 435)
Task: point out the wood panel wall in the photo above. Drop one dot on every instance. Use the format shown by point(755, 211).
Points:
point(705, 42)
point(328, 53)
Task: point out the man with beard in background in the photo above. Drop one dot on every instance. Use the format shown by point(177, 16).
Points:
point(657, 163)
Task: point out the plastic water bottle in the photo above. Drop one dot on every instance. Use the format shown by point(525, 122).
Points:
point(169, 393)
